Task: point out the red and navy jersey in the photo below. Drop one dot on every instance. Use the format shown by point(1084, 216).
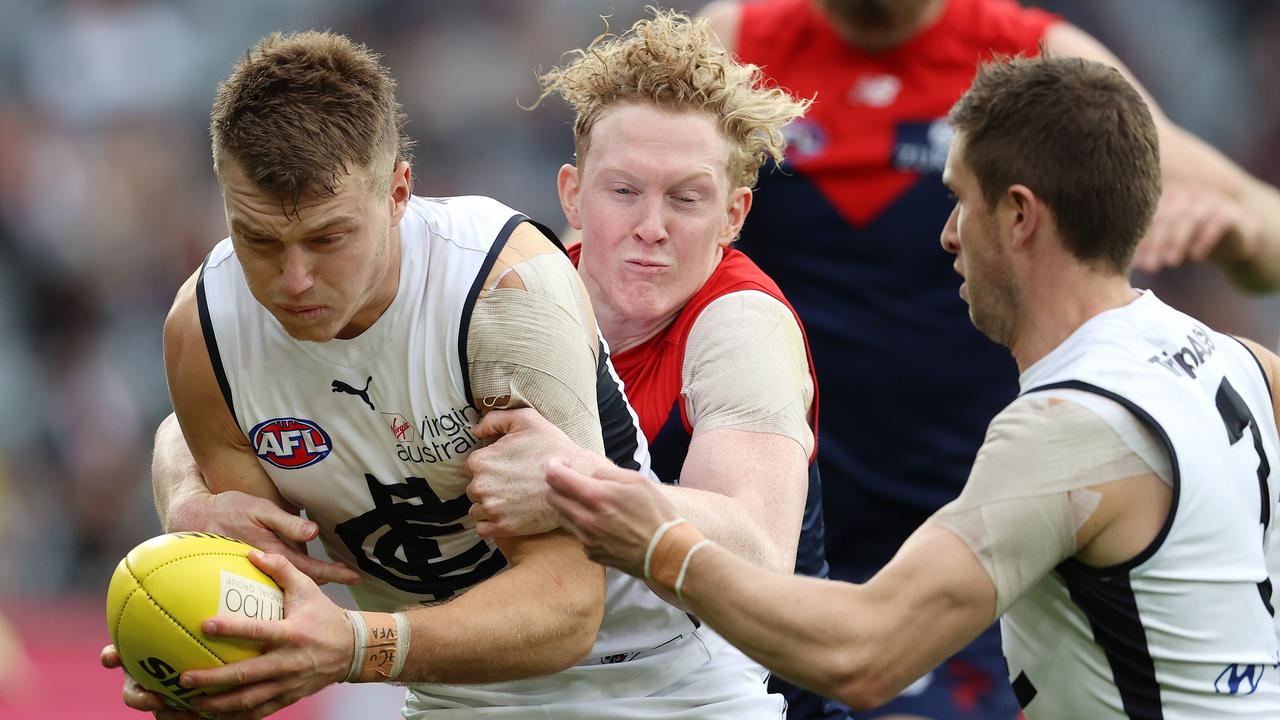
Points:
point(849, 230)
point(651, 374)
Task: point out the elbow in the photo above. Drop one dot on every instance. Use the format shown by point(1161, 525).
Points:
point(586, 627)
point(856, 682)
point(579, 625)
point(580, 635)
point(782, 558)
point(863, 694)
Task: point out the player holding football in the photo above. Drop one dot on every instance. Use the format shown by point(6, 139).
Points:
point(333, 355)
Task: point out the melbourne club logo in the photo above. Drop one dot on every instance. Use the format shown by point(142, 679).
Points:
point(340, 387)
point(290, 443)
point(875, 90)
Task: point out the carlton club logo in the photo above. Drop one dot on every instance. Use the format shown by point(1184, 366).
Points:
point(290, 443)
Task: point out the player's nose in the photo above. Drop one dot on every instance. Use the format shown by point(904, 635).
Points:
point(950, 236)
point(296, 273)
point(651, 226)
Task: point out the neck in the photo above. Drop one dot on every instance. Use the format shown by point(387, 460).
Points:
point(620, 329)
point(1055, 305)
point(622, 332)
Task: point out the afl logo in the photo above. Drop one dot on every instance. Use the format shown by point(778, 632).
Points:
point(290, 443)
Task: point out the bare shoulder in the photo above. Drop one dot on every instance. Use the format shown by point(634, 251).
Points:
point(193, 387)
point(182, 324)
point(526, 243)
point(1270, 363)
point(724, 17)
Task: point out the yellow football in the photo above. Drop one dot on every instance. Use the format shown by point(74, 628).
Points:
point(162, 592)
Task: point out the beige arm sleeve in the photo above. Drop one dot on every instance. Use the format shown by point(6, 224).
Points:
point(535, 346)
point(745, 368)
point(1028, 492)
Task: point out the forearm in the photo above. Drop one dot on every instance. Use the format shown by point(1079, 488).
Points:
point(1250, 255)
point(814, 633)
point(175, 477)
point(861, 644)
point(535, 618)
point(728, 522)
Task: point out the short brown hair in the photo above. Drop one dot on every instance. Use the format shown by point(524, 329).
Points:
point(1079, 136)
point(300, 108)
point(674, 63)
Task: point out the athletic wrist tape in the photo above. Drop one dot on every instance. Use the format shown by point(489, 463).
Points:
point(670, 552)
point(381, 645)
point(684, 567)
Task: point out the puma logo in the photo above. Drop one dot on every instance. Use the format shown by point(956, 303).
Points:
point(339, 386)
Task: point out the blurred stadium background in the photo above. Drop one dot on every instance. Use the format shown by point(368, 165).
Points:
point(108, 201)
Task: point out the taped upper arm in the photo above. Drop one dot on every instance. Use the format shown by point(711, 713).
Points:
point(216, 441)
point(533, 341)
point(1039, 475)
point(745, 368)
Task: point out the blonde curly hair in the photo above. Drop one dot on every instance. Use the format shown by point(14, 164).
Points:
point(673, 62)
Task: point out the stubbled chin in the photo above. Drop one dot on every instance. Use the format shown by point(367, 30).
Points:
point(308, 333)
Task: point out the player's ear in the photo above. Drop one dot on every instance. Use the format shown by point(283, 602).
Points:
point(1025, 212)
point(570, 189)
point(739, 205)
point(401, 189)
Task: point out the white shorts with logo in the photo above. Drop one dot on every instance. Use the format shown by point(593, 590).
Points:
point(700, 678)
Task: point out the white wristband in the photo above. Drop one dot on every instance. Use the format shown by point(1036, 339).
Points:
point(403, 629)
point(361, 630)
point(685, 566)
point(653, 543)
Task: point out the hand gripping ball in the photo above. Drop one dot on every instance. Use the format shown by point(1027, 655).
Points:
point(165, 588)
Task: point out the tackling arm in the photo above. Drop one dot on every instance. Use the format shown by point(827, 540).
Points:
point(861, 644)
point(864, 643)
point(747, 387)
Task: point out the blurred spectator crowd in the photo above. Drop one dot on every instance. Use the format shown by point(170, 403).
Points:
point(108, 200)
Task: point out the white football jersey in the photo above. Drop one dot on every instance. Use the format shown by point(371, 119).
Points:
point(1185, 629)
point(370, 435)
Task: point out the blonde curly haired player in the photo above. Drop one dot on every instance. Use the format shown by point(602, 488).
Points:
point(670, 133)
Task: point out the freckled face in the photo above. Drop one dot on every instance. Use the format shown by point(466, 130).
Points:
point(656, 209)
